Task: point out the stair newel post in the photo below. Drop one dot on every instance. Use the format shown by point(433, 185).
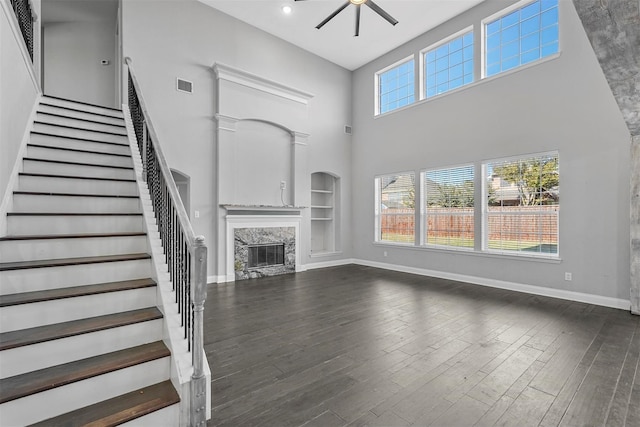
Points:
point(198, 297)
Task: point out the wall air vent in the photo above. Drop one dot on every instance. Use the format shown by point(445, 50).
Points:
point(184, 86)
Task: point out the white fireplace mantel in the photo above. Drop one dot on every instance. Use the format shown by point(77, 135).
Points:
point(258, 221)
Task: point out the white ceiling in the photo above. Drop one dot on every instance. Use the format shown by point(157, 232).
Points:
point(335, 41)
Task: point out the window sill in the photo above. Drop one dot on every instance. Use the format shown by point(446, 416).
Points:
point(468, 252)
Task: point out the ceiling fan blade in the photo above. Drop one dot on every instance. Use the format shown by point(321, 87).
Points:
point(377, 9)
point(330, 17)
point(357, 20)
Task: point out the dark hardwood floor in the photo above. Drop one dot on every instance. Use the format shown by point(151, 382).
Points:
point(360, 346)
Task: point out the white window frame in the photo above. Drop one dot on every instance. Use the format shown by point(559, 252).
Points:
point(376, 93)
point(423, 208)
point(423, 62)
point(483, 37)
point(377, 213)
point(485, 208)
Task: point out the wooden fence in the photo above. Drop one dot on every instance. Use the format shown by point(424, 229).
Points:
point(519, 223)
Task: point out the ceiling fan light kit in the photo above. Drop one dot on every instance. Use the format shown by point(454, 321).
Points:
point(357, 3)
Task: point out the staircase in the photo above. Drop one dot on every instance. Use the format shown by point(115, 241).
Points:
point(80, 331)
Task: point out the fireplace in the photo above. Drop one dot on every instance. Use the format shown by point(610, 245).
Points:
point(265, 255)
point(262, 241)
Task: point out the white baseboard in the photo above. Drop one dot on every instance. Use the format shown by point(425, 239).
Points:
point(501, 284)
point(216, 279)
point(325, 264)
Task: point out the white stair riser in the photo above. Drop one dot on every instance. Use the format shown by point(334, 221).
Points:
point(76, 185)
point(79, 144)
point(77, 395)
point(78, 156)
point(29, 358)
point(31, 166)
point(31, 250)
point(82, 124)
point(166, 417)
point(37, 279)
point(80, 114)
point(79, 106)
point(76, 133)
point(80, 204)
point(43, 313)
point(29, 225)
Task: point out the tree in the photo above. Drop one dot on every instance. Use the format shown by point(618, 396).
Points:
point(536, 179)
point(453, 195)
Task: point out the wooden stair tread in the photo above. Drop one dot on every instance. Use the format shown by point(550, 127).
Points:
point(120, 409)
point(50, 193)
point(83, 119)
point(56, 376)
point(65, 162)
point(38, 132)
point(38, 122)
point(47, 96)
point(45, 333)
point(74, 213)
point(77, 150)
point(75, 291)
point(22, 265)
point(93, 113)
point(47, 175)
point(71, 236)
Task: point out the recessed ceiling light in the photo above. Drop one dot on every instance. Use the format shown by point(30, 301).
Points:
point(286, 9)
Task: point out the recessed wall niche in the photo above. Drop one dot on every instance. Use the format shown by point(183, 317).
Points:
point(325, 209)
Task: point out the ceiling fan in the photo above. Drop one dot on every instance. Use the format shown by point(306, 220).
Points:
point(357, 3)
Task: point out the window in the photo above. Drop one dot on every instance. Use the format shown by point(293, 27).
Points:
point(522, 205)
point(395, 208)
point(448, 65)
point(448, 201)
point(521, 36)
point(395, 86)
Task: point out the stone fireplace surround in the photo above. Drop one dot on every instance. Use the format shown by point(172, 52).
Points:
point(248, 225)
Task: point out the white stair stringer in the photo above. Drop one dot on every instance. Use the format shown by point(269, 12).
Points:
point(76, 395)
point(181, 366)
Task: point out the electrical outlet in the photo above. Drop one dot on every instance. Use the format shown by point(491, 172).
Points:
point(283, 185)
point(567, 276)
point(196, 214)
point(384, 253)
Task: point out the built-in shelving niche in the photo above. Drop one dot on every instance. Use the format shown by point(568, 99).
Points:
point(325, 210)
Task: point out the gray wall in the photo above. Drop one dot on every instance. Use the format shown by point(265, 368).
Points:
point(563, 104)
point(168, 39)
point(72, 55)
point(19, 90)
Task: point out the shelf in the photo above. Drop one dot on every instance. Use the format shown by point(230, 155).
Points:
point(322, 191)
point(321, 219)
point(321, 207)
